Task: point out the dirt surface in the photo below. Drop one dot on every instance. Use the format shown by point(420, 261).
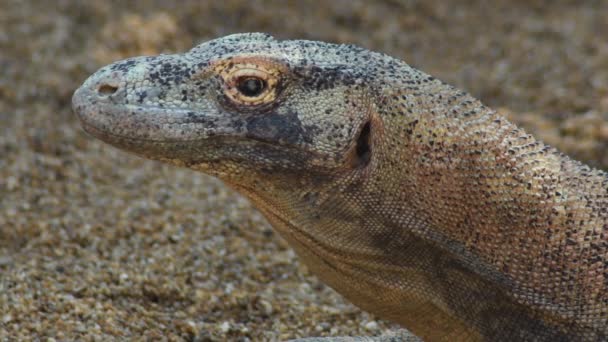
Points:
point(96, 244)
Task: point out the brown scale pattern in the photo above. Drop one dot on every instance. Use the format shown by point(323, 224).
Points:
point(406, 195)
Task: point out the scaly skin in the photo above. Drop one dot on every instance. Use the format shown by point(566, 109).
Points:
point(409, 197)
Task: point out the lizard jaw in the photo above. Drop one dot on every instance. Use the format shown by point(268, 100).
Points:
point(141, 123)
point(185, 138)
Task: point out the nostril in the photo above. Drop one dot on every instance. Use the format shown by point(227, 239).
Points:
point(106, 89)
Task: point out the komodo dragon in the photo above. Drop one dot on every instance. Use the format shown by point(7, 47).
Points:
point(406, 195)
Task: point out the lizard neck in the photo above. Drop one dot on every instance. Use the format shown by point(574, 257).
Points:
point(484, 190)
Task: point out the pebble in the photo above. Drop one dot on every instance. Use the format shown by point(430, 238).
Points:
point(373, 325)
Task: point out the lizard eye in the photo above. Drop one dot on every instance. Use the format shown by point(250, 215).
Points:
point(251, 86)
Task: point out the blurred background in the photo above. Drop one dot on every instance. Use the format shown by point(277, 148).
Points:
point(98, 244)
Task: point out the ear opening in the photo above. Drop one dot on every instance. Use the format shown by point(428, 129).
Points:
point(363, 150)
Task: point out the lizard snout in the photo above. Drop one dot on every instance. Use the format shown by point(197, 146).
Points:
point(104, 85)
point(100, 102)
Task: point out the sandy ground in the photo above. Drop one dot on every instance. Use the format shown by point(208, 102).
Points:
point(96, 244)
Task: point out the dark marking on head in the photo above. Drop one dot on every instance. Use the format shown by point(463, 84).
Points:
point(141, 96)
point(324, 78)
point(124, 66)
point(209, 122)
point(275, 127)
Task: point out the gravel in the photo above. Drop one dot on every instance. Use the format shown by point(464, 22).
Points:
point(98, 245)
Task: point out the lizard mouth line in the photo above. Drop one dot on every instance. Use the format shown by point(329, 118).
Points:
point(148, 122)
point(104, 121)
point(130, 142)
point(98, 132)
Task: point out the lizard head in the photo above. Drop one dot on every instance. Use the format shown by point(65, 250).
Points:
point(239, 104)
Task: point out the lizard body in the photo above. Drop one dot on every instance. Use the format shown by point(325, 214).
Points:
point(406, 195)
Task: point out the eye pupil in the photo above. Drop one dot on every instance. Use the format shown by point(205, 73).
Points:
point(251, 86)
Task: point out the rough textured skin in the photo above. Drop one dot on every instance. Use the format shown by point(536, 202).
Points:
point(408, 196)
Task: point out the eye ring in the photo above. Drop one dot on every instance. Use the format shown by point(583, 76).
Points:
point(251, 86)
